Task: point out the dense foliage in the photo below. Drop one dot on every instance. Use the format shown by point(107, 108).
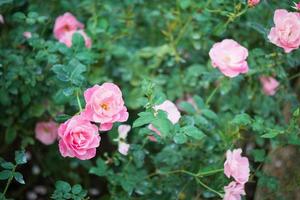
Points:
point(154, 51)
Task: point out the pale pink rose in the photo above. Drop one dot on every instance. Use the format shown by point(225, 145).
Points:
point(230, 57)
point(78, 138)
point(27, 34)
point(286, 33)
point(123, 130)
point(237, 166)
point(233, 191)
point(253, 2)
point(123, 148)
point(2, 19)
point(105, 105)
point(270, 85)
point(46, 132)
point(173, 115)
point(296, 6)
point(67, 38)
point(64, 24)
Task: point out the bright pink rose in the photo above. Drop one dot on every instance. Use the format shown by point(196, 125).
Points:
point(230, 57)
point(286, 33)
point(270, 85)
point(173, 115)
point(27, 34)
point(78, 138)
point(105, 105)
point(46, 132)
point(237, 166)
point(64, 24)
point(233, 191)
point(67, 38)
point(253, 2)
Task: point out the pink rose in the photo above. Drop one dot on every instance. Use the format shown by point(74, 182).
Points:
point(78, 138)
point(234, 191)
point(67, 38)
point(64, 24)
point(230, 57)
point(270, 85)
point(27, 34)
point(46, 132)
point(173, 115)
point(123, 148)
point(105, 105)
point(286, 33)
point(237, 166)
point(253, 2)
point(123, 130)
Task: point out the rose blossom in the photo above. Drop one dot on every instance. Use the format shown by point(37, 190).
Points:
point(253, 2)
point(233, 191)
point(64, 24)
point(105, 105)
point(270, 85)
point(230, 57)
point(297, 6)
point(46, 132)
point(27, 34)
point(67, 38)
point(286, 33)
point(78, 138)
point(173, 115)
point(123, 147)
point(237, 166)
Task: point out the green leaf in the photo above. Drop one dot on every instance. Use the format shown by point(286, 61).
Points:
point(63, 186)
point(19, 177)
point(7, 165)
point(20, 157)
point(72, 72)
point(162, 123)
point(209, 114)
point(100, 169)
point(271, 134)
point(187, 107)
point(180, 138)
point(10, 135)
point(76, 189)
point(193, 132)
point(184, 4)
point(259, 155)
point(144, 118)
point(5, 174)
point(242, 119)
point(62, 118)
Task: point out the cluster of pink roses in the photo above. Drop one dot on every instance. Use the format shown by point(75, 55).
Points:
point(231, 57)
point(236, 166)
point(79, 136)
point(64, 28)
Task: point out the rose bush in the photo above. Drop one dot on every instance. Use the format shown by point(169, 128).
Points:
point(141, 99)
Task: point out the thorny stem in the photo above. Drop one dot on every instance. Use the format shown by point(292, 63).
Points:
point(212, 94)
point(196, 176)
